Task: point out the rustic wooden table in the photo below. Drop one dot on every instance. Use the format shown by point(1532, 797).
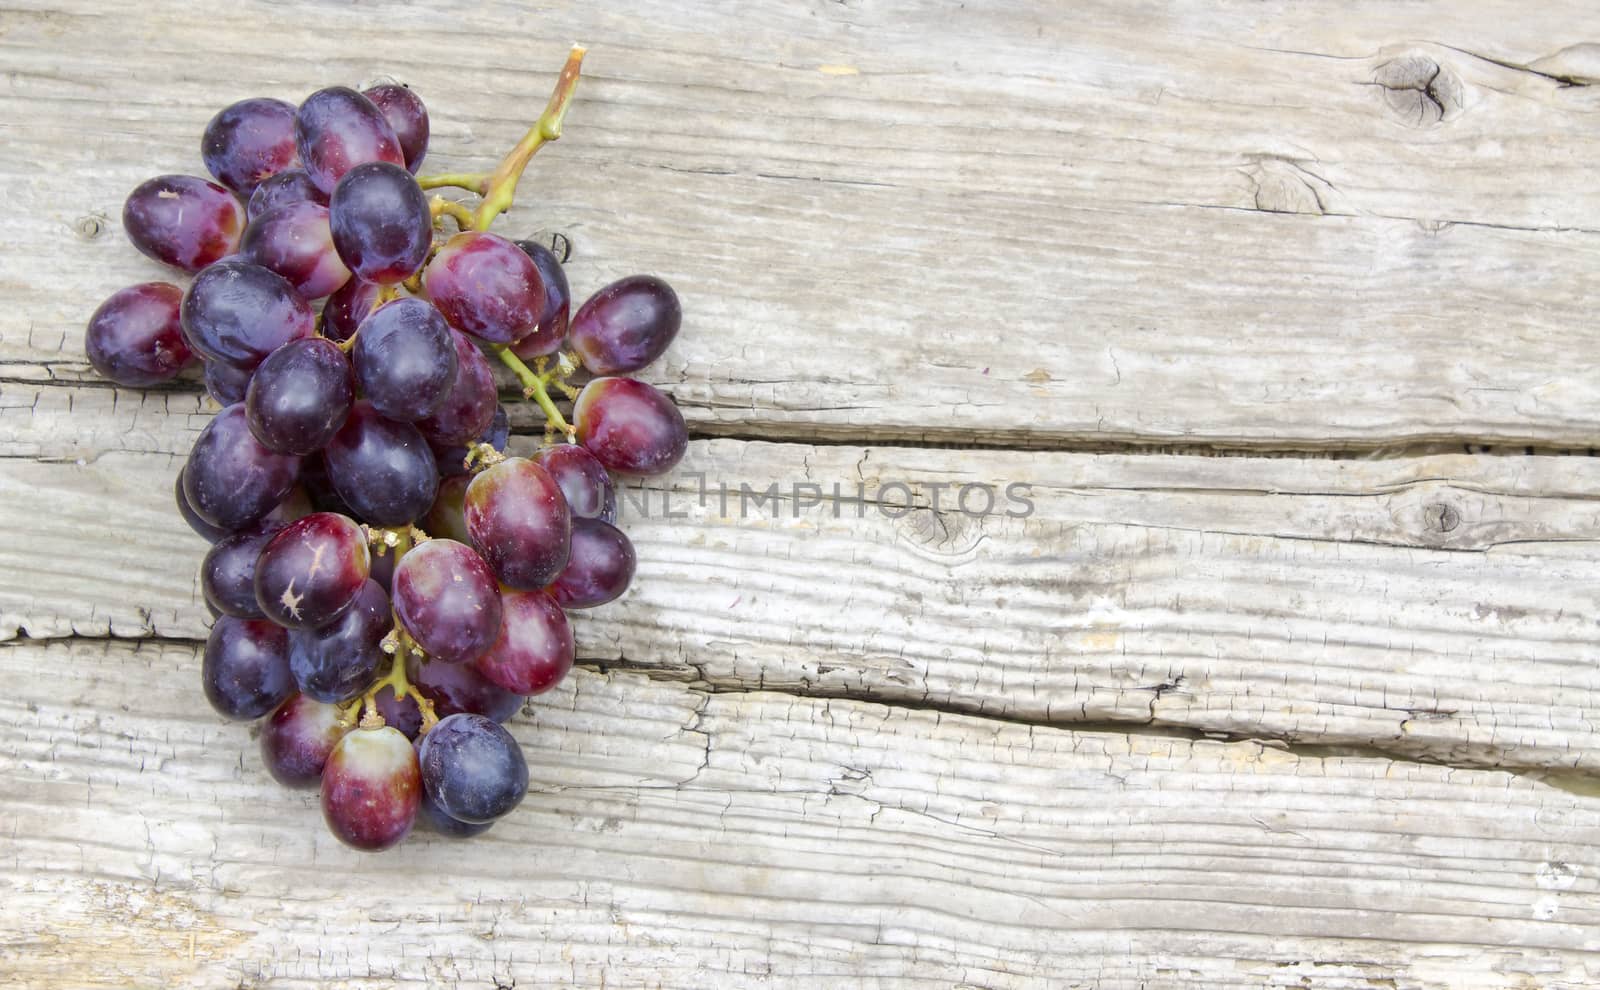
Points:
point(1283, 313)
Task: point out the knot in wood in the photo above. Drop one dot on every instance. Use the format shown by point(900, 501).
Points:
point(1440, 517)
point(1419, 90)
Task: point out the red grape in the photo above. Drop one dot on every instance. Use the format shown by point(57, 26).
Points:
point(299, 396)
point(458, 687)
point(600, 568)
point(405, 359)
point(446, 518)
point(238, 313)
point(337, 129)
point(312, 571)
point(404, 111)
point(534, 649)
point(468, 409)
point(519, 522)
point(291, 186)
point(446, 598)
point(484, 285)
point(135, 338)
point(626, 325)
point(583, 480)
point(382, 469)
point(245, 671)
point(230, 479)
point(347, 307)
point(629, 426)
point(381, 224)
point(370, 788)
point(338, 661)
point(183, 221)
point(249, 141)
point(297, 740)
point(473, 769)
point(294, 240)
point(552, 323)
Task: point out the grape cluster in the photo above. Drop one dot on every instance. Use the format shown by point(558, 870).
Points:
point(388, 582)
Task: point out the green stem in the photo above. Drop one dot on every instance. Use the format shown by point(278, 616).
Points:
point(533, 386)
point(500, 187)
point(463, 217)
point(470, 181)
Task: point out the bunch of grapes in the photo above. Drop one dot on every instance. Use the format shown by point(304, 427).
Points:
point(388, 584)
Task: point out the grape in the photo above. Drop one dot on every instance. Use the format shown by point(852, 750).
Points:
point(430, 817)
point(445, 597)
point(381, 224)
point(382, 469)
point(458, 687)
point(473, 769)
point(370, 788)
point(629, 426)
point(552, 323)
point(228, 573)
point(202, 528)
point(445, 519)
point(295, 241)
point(183, 221)
point(403, 714)
point(249, 141)
point(600, 567)
point(468, 408)
point(405, 113)
point(230, 479)
point(452, 457)
point(245, 671)
point(337, 129)
point(225, 383)
point(135, 337)
point(626, 325)
point(347, 307)
point(336, 662)
point(295, 505)
point(584, 482)
point(238, 313)
point(382, 570)
point(484, 285)
point(405, 359)
point(297, 740)
point(519, 522)
point(534, 649)
point(314, 478)
point(291, 186)
point(312, 571)
point(299, 396)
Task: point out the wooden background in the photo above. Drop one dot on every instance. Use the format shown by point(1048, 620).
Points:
point(1286, 313)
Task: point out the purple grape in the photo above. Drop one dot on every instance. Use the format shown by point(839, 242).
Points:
point(383, 570)
point(202, 528)
point(445, 519)
point(299, 396)
point(430, 817)
point(403, 715)
point(452, 457)
point(370, 788)
point(319, 487)
point(600, 567)
point(312, 571)
point(245, 671)
point(228, 573)
point(230, 479)
point(404, 111)
point(445, 597)
point(381, 224)
point(552, 325)
point(248, 142)
point(629, 426)
point(295, 242)
point(238, 313)
point(337, 662)
point(183, 221)
point(534, 650)
point(225, 383)
point(468, 409)
point(485, 286)
point(298, 739)
point(337, 129)
point(135, 337)
point(382, 469)
point(626, 325)
point(405, 359)
point(583, 480)
point(519, 522)
point(455, 688)
point(347, 307)
point(291, 186)
point(473, 769)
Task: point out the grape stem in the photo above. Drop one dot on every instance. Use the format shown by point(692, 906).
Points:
point(533, 386)
point(463, 217)
point(470, 181)
point(397, 681)
point(500, 186)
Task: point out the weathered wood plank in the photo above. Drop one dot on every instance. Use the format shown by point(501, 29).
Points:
point(1439, 607)
point(1026, 226)
point(680, 839)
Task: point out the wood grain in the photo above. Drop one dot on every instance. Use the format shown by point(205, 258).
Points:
point(679, 839)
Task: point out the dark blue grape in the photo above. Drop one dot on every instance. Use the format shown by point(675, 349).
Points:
point(338, 661)
point(292, 186)
point(552, 324)
point(337, 129)
point(238, 313)
point(225, 383)
point(230, 479)
point(228, 573)
point(382, 469)
point(202, 528)
point(245, 672)
point(452, 457)
point(347, 307)
point(380, 221)
point(300, 395)
point(248, 142)
point(468, 409)
point(473, 769)
point(431, 818)
point(405, 359)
